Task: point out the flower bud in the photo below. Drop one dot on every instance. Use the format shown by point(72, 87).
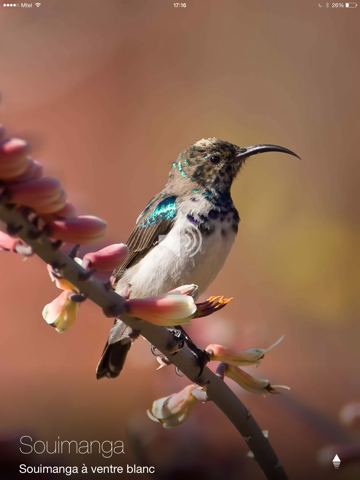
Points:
point(7, 243)
point(108, 258)
point(173, 410)
point(54, 205)
point(61, 312)
point(186, 290)
point(165, 310)
point(36, 193)
point(249, 383)
point(78, 230)
point(13, 160)
point(67, 211)
point(238, 357)
point(33, 170)
point(16, 245)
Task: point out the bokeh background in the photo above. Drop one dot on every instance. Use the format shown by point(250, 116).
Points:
point(109, 93)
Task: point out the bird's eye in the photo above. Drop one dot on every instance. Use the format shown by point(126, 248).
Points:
point(214, 159)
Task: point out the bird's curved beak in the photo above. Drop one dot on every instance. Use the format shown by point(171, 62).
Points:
point(255, 149)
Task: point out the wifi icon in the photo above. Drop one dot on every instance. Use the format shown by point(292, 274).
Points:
point(38, 4)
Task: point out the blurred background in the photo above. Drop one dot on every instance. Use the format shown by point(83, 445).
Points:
point(108, 93)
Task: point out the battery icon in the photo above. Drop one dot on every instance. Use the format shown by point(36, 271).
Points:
point(351, 5)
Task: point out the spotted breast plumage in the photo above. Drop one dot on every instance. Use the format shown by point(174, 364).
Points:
point(194, 207)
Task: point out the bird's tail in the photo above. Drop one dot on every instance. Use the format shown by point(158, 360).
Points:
point(116, 349)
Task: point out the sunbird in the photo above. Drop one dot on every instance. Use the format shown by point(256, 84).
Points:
point(184, 234)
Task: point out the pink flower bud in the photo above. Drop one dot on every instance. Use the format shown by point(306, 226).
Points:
point(108, 258)
point(218, 353)
point(54, 205)
point(8, 243)
point(67, 211)
point(33, 170)
point(165, 310)
point(173, 410)
point(61, 312)
point(16, 245)
point(13, 160)
point(251, 384)
point(36, 193)
point(81, 230)
point(186, 290)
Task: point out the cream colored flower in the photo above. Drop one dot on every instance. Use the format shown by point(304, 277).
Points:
point(251, 384)
point(61, 312)
point(238, 357)
point(173, 410)
point(165, 310)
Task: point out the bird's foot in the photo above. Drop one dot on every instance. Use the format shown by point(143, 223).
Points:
point(174, 346)
point(202, 356)
point(178, 340)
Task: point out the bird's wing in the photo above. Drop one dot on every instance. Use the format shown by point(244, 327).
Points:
point(157, 219)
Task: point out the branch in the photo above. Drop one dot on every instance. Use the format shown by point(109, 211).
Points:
point(113, 304)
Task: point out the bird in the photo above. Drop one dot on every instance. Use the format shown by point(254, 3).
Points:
point(195, 200)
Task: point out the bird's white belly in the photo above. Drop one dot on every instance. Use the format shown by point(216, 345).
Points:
point(184, 256)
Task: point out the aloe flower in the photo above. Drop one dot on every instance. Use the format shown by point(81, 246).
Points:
point(177, 307)
point(238, 357)
point(13, 158)
point(165, 310)
point(186, 290)
point(107, 259)
point(251, 384)
point(61, 312)
point(8, 243)
point(68, 211)
point(173, 410)
point(38, 193)
point(53, 206)
point(79, 230)
point(33, 170)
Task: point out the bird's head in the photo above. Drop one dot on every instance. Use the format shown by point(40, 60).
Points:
point(214, 163)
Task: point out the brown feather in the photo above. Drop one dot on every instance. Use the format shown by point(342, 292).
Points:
point(141, 241)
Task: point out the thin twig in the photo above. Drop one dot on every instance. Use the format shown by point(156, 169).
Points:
point(114, 305)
